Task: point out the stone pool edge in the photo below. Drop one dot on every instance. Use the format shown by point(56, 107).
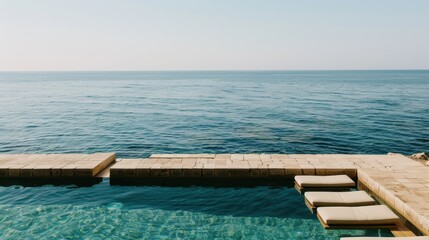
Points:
point(401, 183)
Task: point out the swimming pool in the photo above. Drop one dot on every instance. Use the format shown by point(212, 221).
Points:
point(103, 211)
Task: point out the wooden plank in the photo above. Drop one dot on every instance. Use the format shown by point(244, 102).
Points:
point(402, 230)
point(355, 226)
point(310, 206)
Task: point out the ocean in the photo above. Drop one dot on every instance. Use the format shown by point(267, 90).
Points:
point(136, 114)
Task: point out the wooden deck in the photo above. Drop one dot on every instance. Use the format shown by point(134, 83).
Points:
point(400, 182)
point(54, 165)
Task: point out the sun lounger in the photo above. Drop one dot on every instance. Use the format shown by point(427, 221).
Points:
point(377, 216)
point(386, 238)
point(314, 200)
point(323, 183)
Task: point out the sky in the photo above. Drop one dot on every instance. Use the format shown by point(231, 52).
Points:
point(73, 35)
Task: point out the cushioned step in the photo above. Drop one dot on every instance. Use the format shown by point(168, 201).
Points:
point(355, 198)
point(367, 215)
point(311, 181)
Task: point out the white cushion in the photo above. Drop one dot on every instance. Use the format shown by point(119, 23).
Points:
point(323, 199)
point(324, 181)
point(367, 215)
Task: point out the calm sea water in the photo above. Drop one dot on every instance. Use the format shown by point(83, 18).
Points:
point(120, 212)
point(139, 113)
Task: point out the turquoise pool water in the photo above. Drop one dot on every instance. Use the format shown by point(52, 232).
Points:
point(149, 212)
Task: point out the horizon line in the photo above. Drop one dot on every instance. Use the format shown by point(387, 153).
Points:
point(220, 70)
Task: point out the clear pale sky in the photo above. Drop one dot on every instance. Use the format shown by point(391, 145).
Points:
point(213, 35)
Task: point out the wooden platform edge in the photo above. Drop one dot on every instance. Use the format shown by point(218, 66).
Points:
point(402, 230)
point(310, 206)
point(302, 190)
point(352, 226)
point(105, 164)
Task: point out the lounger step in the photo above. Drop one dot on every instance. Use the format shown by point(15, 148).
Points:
point(305, 183)
point(376, 216)
point(338, 199)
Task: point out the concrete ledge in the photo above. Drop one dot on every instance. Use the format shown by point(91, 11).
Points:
point(165, 167)
point(54, 165)
point(406, 197)
point(395, 179)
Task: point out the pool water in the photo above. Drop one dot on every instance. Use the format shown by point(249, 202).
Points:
point(103, 211)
